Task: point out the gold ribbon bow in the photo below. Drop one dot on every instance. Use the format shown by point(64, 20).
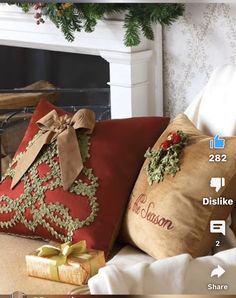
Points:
point(59, 255)
point(62, 129)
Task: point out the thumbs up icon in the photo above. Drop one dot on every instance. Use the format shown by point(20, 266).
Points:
point(217, 143)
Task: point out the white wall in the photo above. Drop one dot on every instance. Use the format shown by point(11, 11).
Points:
point(200, 41)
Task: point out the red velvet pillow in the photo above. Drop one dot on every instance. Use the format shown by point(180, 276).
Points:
point(93, 207)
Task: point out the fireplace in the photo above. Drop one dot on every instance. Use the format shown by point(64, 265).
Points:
point(81, 80)
point(135, 74)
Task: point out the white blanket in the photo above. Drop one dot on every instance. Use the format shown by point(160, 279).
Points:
point(133, 272)
point(213, 111)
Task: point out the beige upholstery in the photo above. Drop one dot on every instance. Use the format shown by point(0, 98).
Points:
point(13, 276)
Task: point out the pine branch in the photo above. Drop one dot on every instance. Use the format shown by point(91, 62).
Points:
point(25, 6)
point(90, 16)
point(132, 34)
point(147, 30)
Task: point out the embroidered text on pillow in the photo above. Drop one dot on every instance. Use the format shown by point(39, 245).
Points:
point(147, 212)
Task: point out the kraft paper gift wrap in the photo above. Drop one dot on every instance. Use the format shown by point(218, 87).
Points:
point(68, 263)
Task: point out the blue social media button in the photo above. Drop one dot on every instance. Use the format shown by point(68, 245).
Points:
point(217, 143)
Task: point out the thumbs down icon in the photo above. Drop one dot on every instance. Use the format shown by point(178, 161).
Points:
point(217, 183)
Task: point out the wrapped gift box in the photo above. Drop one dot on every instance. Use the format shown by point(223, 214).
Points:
point(76, 269)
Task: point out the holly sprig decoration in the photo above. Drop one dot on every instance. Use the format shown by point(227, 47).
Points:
point(165, 161)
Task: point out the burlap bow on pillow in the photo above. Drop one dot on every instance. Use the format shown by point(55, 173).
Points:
point(62, 129)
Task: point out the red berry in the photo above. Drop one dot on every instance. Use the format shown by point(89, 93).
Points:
point(166, 145)
point(176, 138)
point(170, 136)
point(38, 15)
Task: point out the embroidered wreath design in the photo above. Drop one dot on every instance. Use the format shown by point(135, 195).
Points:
point(165, 161)
point(50, 215)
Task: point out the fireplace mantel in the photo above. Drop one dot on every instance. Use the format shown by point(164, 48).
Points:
point(135, 72)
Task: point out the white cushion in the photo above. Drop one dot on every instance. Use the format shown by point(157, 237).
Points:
point(213, 111)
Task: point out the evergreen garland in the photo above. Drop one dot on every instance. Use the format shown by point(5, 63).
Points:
point(74, 17)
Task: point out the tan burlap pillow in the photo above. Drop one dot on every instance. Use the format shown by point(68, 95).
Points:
point(168, 218)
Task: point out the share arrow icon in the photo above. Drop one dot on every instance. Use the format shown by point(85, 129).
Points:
point(218, 271)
